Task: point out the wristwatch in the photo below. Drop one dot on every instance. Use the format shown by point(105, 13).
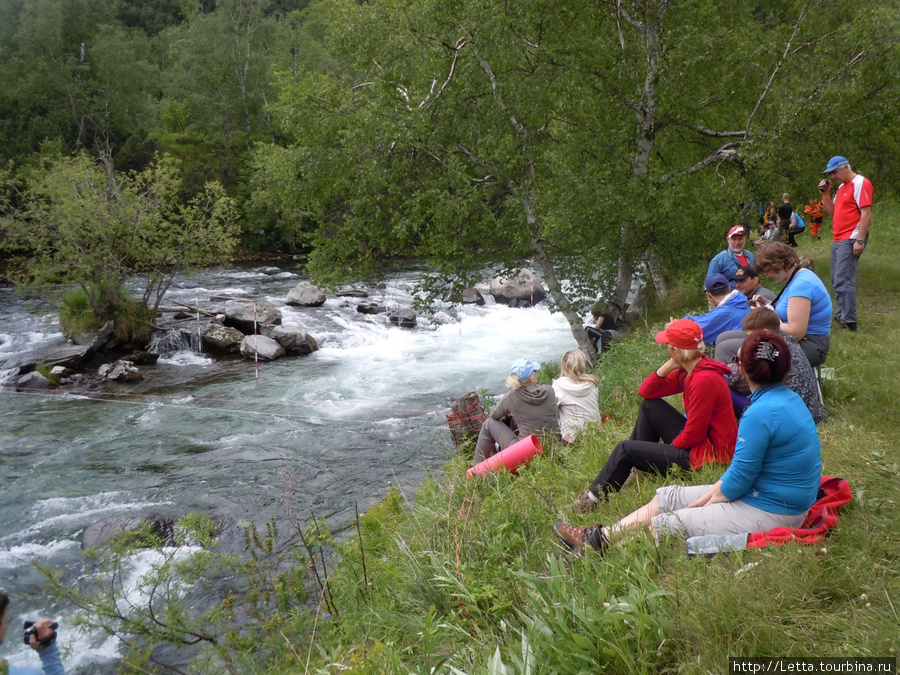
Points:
point(863, 241)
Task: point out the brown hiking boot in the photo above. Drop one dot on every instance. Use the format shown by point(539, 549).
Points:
point(571, 536)
point(586, 502)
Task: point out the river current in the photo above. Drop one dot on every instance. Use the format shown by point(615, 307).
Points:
point(362, 414)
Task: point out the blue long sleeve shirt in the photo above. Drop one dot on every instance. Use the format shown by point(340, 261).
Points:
point(778, 458)
point(727, 316)
point(50, 663)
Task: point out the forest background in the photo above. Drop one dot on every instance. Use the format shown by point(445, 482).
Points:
point(602, 140)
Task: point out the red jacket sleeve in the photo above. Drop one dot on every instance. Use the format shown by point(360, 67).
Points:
point(659, 387)
point(699, 404)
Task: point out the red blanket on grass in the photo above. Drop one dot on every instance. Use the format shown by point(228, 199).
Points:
point(822, 516)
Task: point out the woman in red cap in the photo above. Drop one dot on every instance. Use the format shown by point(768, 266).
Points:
point(662, 436)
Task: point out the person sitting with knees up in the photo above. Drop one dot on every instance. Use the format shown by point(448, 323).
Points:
point(576, 395)
point(530, 406)
point(41, 637)
point(662, 436)
point(773, 478)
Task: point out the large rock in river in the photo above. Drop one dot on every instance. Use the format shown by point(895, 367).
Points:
point(294, 340)
point(519, 290)
point(240, 315)
point(100, 533)
point(259, 345)
point(120, 371)
point(33, 381)
point(218, 339)
point(305, 294)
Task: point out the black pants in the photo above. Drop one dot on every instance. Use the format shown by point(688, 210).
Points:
point(657, 421)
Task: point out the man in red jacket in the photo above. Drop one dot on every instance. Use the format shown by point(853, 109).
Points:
point(662, 436)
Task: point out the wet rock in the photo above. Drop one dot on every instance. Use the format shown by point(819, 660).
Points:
point(33, 380)
point(95, 341)
point(472, 296)
point(69, 356)
point(178, 316)
point(524, 286)
point(294, 340)
point(101, 533)
point(405, 318)
point(259, 345)
point(142, 358)
point(241, 315)
point(305, 294)
point(370, 308)
point(170, 342)
point(218, 339)
point(58, 371)
point(120, 371)
point(352, 293)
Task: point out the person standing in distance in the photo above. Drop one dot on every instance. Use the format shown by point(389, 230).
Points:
point(851, 214)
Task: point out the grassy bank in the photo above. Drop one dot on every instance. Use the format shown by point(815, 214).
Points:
point(468, 578)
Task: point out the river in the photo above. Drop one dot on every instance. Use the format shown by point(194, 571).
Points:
point(363, 413)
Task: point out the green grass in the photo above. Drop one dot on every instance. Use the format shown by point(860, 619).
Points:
point(469, 579)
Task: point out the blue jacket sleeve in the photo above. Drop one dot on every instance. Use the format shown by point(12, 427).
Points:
point(50, 660)
point(754, 432)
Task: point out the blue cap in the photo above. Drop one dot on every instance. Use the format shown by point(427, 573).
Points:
point(523, 368)
point(834, 163)
point(716, 282)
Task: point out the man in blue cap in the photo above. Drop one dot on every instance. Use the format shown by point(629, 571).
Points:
point(851, 213)
point(727, 309)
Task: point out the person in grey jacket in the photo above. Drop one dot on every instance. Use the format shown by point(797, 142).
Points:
point(531, 407)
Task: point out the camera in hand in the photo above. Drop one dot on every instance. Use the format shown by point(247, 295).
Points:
point(31, 630)
point(824, 186)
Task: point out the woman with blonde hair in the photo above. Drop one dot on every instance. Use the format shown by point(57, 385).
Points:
point(528, 408)
point(576, 395)
point(663, 437)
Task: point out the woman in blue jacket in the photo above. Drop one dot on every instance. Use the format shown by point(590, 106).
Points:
point(773, 478)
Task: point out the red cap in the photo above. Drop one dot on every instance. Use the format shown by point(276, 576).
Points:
point(737, 229)
point(681, 333)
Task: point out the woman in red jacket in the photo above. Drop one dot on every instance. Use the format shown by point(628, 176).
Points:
point(662, 436)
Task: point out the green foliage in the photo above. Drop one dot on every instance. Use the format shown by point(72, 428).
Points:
point(87, 225)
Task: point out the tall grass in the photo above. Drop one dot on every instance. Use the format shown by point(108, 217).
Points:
point(469, 579)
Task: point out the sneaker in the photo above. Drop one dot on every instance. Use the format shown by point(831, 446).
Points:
point(586, 502)
point(571, 536)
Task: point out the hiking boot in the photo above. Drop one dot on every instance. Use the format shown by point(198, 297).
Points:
point(575, 537)
point(586, 502)
point(851, 326)
point(571, 536)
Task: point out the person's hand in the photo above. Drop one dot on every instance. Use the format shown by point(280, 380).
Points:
point(858, 248)
point(668, 367)
point(824, 185)
point(713, 496)
point(760, 301)
point(44, 630)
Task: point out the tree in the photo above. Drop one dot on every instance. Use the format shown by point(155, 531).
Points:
point(603, 139)
point(87, 225)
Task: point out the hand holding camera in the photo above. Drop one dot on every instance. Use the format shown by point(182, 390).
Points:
point(824, 185)
point(40, 634)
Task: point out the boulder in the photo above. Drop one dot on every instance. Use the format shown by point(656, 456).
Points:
point(259, 345)
point(218, 339)
point(305, 294)
point(58, 371)
point(95, 341)
point(142, 358)
point(120, 371)
point(524, 286)
point(178, 316)
point(240, 316)
point(370, 308)
point(100, 533)
point(352, 293)
point(33, 380)
point(69, 356)
point(472, 296)
point(405, 318)
point(294, 340)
